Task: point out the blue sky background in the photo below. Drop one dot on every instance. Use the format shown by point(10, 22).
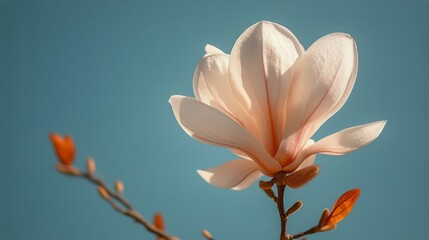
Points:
point(103, 71)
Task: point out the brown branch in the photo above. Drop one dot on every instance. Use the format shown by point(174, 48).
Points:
point(281, 209)
point(125, 208)
point(113, 197)
point(301, 234)
point(279, 200)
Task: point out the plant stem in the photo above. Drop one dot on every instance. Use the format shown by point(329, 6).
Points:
point(309, 231)
point(281, 208)
point(127, 208)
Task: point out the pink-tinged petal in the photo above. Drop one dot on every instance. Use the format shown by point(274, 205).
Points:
point(347, 140)
point(240, 154)
point(236, 174)
point(210, 49)
point(342, 142)
point(211, 126)
point(259, 71)
point(211, 79)
point(212, 87)
point(248, 181)
point(323, 78)
point(307, 162)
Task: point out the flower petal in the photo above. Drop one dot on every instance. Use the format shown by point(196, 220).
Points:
point(211, 79)
point(211, 126)
point(307, 162)
point(259, 71)
point(237, 174)
point(212, 87)
point(342, 142)
point(347, 140)
point(322, 81)
point(240, 154)
point(210, 49)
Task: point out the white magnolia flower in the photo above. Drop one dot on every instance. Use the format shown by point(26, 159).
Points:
point(267, 98)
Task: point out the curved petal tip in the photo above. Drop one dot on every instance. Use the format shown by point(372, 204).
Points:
point(349, 139)
point(210, 49)
point(236, 174)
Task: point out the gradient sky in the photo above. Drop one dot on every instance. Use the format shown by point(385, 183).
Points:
point(103, 71)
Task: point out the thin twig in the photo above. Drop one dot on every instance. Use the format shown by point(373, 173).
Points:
point(301, 234)
point(127, 209)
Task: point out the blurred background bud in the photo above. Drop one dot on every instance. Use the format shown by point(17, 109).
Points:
point(103, 193)
point(90, 165)
point(64, 148)
point(119, 187)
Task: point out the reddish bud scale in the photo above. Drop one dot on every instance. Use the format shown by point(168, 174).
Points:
point(64, 148)
point(343, 206)
point(158, 221)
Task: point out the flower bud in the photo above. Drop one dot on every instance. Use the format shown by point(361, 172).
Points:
point(207, 234)
point(119, 187)
point(90, 165)
point(270, 193)
point(323, 218)
point(301, 177)
point(103, 193)
point(64, 148)
point(343, 206)
point(266, 185)
point(327, 227)
point(158, 222)
point(294, 208)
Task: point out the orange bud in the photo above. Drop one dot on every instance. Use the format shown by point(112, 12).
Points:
point(294, 208)
point(90, 165)
point(103, 193)
point(327, 227)
point(342, 207)
point(266, 185)
point(119, 187)
point(207, 234)
point(64, 148)
point(270, 193)
point(323, 218)
point(158, 221)
point(301, 177)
